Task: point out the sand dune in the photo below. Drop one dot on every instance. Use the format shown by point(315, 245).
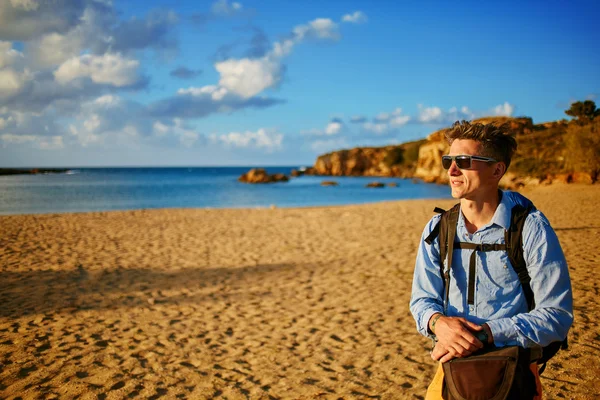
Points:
point(248, 304)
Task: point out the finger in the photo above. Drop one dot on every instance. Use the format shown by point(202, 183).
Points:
point(451, 354)
point(437, 353)
point(472, 343)
point(468, 324)
point(464, 347)
point(470, 337)
point(447, 358)
point(473, 326)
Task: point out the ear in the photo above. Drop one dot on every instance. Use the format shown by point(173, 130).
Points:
point(499, 170)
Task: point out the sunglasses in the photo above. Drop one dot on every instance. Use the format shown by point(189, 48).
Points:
point(463, 161)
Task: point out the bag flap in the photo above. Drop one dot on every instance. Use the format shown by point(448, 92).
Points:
point(485, 375)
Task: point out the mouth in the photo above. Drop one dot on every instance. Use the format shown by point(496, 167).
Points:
point(455, 183)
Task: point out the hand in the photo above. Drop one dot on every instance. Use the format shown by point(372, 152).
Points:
point(439, 351)
point(455, 338)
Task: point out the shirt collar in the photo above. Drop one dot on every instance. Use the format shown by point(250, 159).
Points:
point(503, 211)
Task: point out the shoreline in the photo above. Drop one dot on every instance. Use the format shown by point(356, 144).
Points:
point(307, 302)
point(524, 190)
point(241, 208)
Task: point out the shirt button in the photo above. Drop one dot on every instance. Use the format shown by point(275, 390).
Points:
point(471, 308)
point(505, 266)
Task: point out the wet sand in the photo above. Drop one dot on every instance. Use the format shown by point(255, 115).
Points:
point(249, 304)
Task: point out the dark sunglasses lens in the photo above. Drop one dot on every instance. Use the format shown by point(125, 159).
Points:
point(446, 162)
point(463, 162)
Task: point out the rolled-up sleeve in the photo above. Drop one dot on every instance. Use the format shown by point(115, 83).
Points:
point(552, 316)
point(427, 287)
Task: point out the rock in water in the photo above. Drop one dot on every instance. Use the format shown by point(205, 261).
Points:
point(260, 175)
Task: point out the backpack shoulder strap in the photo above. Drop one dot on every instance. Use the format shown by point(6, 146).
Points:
point(450, 233)
point(445, 229)
point(514, 247)
point(436, 229)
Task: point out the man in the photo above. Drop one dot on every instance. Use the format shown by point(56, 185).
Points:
point(497, 312)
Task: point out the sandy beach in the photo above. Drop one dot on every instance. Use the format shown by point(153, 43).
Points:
point(249, 304)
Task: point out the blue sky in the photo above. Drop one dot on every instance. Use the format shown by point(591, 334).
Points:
point(162, 83)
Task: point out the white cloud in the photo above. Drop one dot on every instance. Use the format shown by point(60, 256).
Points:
point(376, 128)
point(386, 122)
point(17, 139)
point(26, 19)
point(41, 142)
point(177, 129)
point(92, 122)
point(55, 48)
point(28, 123)
point(110, 120)
point(505, 109)
point(284, 48)
point(382, 117)
point(51, 143)
point(248, 77)
point(108, 68)
point(8, 55)
point(85, 138)
point(435, 115)
point(27, 5)
point(357, 17)
point(320, 28)
point(216, 93)
point(399, 120)
point(430, 115)
point(195, 102)
point(160, 129)
point(108, 100)
point(262, 138)
point(11, 82)
point(188, 138)
point(333, 128)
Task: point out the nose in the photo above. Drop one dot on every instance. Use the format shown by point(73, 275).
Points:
point(454, 170)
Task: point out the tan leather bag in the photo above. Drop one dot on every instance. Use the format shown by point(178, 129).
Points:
point(490, 374)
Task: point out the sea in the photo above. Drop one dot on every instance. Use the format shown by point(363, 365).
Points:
point(103, 189)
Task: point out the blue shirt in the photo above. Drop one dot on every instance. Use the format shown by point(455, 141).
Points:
point(499, 298)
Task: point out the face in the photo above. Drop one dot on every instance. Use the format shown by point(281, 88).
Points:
point(480, 181)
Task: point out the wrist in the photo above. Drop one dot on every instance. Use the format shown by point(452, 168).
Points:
point(433, 320)
point(482, 336)
point(485, 335)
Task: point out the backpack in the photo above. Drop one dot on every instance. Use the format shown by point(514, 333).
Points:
point(513, 245)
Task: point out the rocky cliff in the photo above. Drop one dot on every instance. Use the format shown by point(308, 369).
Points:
point(538, 144)
point(398, 161)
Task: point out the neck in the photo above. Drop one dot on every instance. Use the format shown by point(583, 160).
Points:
point(479, 212)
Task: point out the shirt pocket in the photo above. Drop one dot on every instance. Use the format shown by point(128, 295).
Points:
point(498, 275)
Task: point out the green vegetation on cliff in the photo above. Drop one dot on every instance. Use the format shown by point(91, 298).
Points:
point(562, 147)
point(404, 155)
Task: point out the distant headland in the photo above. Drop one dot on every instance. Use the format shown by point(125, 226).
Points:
point(31, 171)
